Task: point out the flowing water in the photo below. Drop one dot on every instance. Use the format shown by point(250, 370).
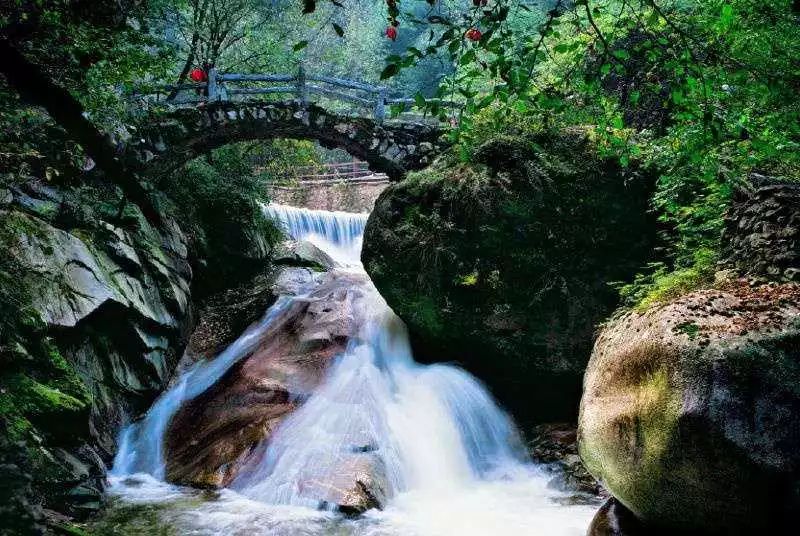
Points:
point(453, 461)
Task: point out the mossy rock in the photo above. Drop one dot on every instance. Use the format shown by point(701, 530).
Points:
point(691, 410)
point(504, 264)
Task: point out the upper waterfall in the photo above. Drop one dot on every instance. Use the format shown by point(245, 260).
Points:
point(339, 234)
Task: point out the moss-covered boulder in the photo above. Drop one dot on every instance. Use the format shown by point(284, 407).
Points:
point(691, 410)
point(504, 265)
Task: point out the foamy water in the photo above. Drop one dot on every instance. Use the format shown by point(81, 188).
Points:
point(452, 461)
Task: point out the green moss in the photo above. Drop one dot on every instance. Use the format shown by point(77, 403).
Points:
point(689, 328)
point(629, 442)
point(426, 315)
point(132, 520)
point(69, 529)
point(663, 284)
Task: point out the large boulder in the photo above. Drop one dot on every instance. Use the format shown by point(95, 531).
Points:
point(230, 424)
point(691, 409)
point(505, 265)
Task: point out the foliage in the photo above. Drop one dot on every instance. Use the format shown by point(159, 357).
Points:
point(217, 199)
point(278, 159)
point(662, 283)
point(702, 92)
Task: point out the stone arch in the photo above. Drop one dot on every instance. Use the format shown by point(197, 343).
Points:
point(166, 144)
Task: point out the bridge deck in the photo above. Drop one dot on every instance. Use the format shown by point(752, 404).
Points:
point(223, 87)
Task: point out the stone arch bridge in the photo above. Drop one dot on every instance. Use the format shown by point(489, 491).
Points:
point(223, 110)
point(394, 148)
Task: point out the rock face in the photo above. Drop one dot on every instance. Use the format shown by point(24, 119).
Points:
point(555, 446)
point(109, 305)
point(691, 410)
point(229, 423)
point(762, 234)
point(504, 265)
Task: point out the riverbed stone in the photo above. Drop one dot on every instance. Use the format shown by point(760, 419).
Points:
point(230, 422)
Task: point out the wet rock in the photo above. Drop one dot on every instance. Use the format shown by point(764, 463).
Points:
point(691, 409)
point(226, 315)
point(229, 422)
point(303, 253)
point(613, 519)
point(555, 446)
point(504, 265)
point(355, 485)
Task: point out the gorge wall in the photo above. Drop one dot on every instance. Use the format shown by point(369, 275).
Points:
point(108, 306)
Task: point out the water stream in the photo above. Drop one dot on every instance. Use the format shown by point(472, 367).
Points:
point(453, 461)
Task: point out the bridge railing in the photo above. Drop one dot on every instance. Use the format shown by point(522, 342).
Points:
point(223, 87)
point(355, 171)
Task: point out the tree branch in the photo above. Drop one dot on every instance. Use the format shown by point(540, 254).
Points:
point(35, 87)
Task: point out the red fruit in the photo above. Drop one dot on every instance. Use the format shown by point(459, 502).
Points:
point(391, 32)
point(473, 34)
point(198, 75)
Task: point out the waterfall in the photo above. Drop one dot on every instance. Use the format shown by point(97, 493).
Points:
point(432, 427)
point(141, 445)
point(453, 461)
point(339, 234)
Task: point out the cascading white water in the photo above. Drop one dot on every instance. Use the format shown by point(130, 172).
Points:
point(337, 233)
point(141, 445)
point(453, 460)
point(431, 427)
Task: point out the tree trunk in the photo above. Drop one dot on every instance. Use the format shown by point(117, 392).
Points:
point(35, 87)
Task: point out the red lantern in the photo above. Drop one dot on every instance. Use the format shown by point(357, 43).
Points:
point(198, 75)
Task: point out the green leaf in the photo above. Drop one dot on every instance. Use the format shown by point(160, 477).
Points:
point(621, 54)
point(338, 29)
point(389, 71)
point(300, 45)
point(726, 15)
point(309, 6)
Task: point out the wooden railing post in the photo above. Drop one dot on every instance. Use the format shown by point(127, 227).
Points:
point(302, 90)
point(213, 90)
point(380, 105)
